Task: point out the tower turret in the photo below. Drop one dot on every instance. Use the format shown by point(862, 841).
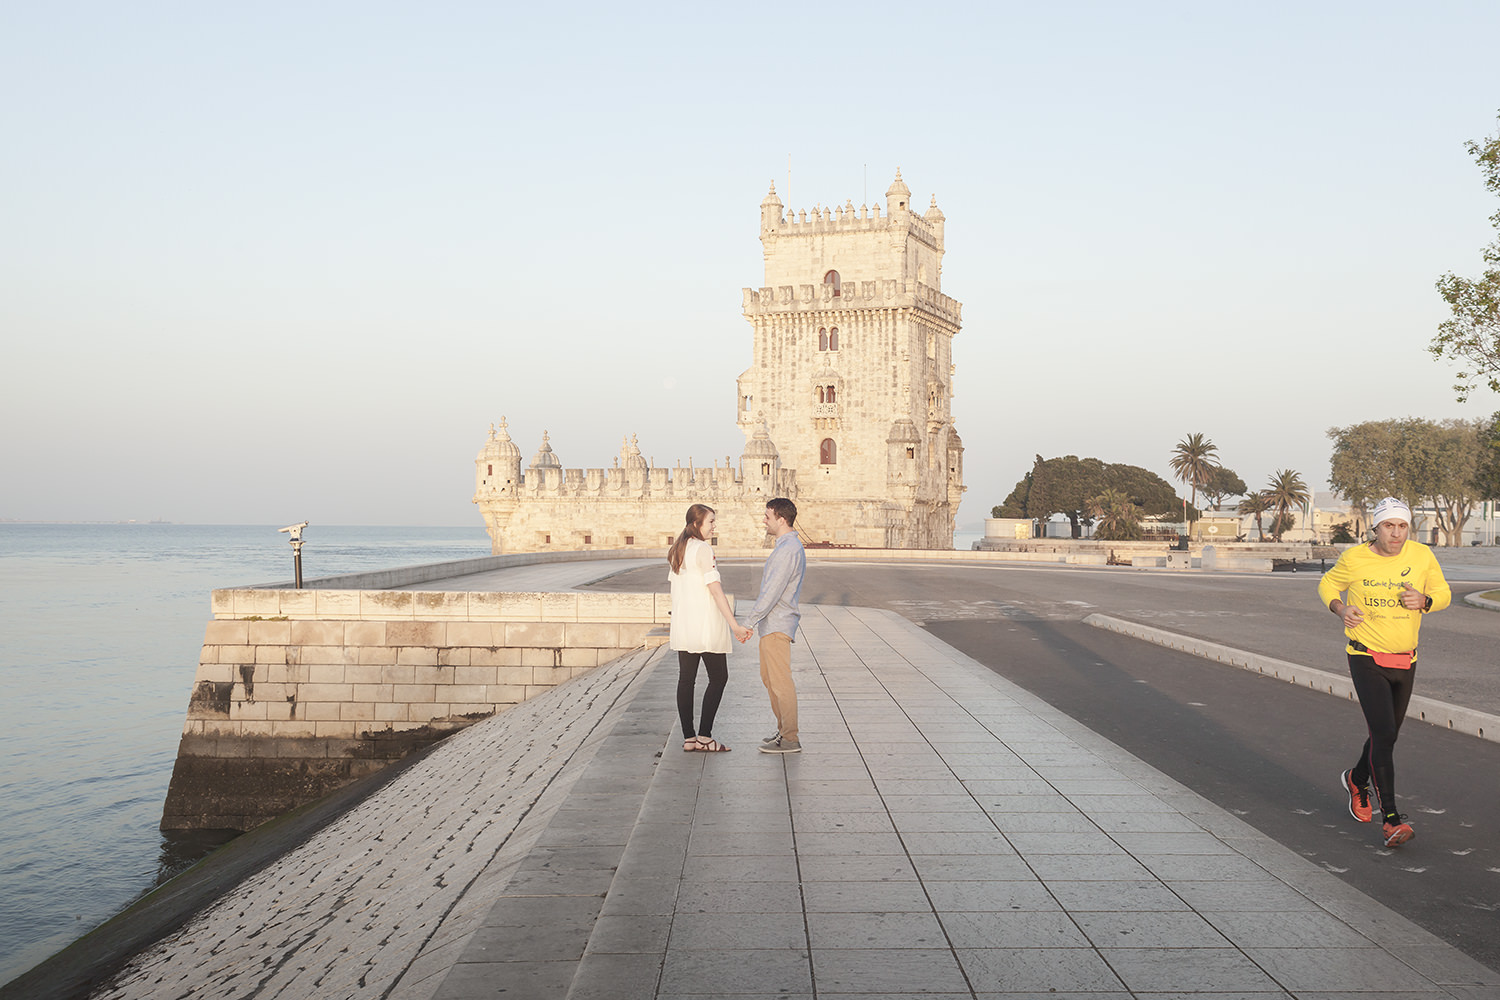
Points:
point(935, 218)
point(770, 211)
point(760, 463)
point(897, 196)
point(498, 466)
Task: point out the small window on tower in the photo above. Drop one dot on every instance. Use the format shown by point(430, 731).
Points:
point(546, 539)
point(832, 278)
point(911, 453)
point(828, 452)
point(833, 339)
point(588, 539)
point(765, 468)
point(823, 339)
point(489, 470)
point(629, 539)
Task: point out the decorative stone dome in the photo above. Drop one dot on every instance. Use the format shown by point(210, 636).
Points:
point(898, 187)
point(500, 448)
point(630, 454)
point(903, 431)
point(760, 446)
point(933, 213)
point(544, 458)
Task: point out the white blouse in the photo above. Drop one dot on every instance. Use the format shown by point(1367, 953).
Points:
point(697, 624)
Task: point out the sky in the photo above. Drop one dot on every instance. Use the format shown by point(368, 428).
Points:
point(278, 262)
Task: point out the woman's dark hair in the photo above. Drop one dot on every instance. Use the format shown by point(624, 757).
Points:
point(694, 529)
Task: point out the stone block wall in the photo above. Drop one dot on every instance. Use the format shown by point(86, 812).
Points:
point(299, 692)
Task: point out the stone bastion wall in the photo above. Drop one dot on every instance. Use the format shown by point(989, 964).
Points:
point(299, 692)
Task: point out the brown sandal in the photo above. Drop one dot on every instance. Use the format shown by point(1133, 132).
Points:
point(691, 745)
point(712, 746)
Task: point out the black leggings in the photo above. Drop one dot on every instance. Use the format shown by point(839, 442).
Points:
point(1383, 695)
point(687, 676)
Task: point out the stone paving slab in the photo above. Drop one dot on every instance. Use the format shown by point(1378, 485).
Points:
point(946, 834)
point(383, 900)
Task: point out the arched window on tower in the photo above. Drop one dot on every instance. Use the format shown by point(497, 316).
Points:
point(828, 452)
point(832, 278)
point(833, 339)
point(820, 395)
point(822, 338)
point(831, 397)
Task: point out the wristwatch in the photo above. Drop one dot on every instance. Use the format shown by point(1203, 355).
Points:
point(1428, 605)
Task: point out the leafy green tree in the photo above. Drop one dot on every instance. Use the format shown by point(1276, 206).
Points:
point(1014, 505)
point(1472, 337)
point(1152, 494)
point(1256, 504)
point(1116, 516)
point(1065, 486)
point(1422, 462)
point(1223, 483)
point(1192, 460)
point(1487, 471)
point(1285, 491)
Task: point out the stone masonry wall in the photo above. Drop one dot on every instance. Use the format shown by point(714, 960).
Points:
point(299, 692)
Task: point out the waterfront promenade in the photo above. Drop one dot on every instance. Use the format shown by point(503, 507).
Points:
point(945, 835)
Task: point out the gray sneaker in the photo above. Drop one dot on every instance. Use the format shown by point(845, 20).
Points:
point(780, 745)
point(772, 738)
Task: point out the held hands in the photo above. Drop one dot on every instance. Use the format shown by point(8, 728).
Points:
point(741, 633)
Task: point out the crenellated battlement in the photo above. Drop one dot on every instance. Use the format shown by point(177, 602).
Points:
point(848, 219)
point(885, 293)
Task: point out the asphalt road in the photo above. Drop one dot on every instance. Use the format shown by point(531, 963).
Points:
point(1265, 750)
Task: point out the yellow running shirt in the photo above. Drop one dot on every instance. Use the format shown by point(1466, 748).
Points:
point(1373, 583)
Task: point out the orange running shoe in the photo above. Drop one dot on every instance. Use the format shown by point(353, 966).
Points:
point(1359, 798)
point(1398, 833)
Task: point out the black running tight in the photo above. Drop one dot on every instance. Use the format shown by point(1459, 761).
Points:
point(1383, 696)
point(687, 677)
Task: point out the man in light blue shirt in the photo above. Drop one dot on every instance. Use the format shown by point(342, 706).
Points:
point(775, 617)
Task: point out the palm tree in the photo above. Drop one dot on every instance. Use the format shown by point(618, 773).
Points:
point(1257, 504)
point(1193, 461)
point(1116, 516)
point(1285, 491)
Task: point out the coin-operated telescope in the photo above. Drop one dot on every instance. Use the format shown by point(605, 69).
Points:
point(295, 530)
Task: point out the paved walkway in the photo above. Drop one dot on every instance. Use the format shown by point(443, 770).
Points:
point(945, 835)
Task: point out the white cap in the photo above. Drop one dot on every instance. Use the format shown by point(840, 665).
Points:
point(1391, 509)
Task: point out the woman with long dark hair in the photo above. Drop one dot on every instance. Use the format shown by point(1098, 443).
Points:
point(703, 626)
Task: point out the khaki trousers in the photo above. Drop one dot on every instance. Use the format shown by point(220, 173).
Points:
point(776, 675)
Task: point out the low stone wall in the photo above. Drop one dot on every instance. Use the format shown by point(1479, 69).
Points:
point(299, 692)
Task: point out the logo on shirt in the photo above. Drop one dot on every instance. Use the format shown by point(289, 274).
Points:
point(1406, 571)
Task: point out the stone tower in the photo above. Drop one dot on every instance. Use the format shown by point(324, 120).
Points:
point(852, 371)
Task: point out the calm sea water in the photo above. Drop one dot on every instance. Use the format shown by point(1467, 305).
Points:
point(100, 628)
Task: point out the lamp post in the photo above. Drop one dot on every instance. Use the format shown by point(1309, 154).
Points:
point(295, 530)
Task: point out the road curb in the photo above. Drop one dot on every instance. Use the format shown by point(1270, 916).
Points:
point(1480, 602)
point(1429, 710)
